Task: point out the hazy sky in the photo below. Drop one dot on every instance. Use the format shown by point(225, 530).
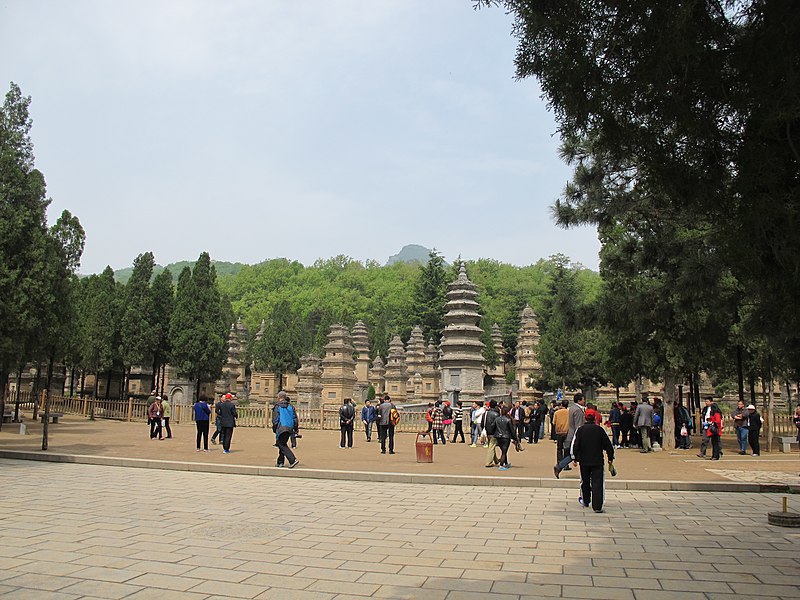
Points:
point(305, 129)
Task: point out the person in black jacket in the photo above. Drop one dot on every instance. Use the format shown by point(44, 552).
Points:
point(347, 417)
point(487, 423)
point(226, 410)
point(505, 431)
point(587, 450)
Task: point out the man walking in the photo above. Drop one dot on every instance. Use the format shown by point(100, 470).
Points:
point(575, 419)
point(368, 418)
point(227, 420)
point(385, 426)
point(587, 450)
point(458, 419)
point(284, 423)
point(347, 416)
point(643, 420)
point(561, 428)
point(488, 425)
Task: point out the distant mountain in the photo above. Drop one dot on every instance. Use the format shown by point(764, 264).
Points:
point(411, 253)
point(223, 269)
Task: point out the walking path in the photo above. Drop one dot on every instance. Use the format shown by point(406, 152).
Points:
point(83, 532)
point(110, 442)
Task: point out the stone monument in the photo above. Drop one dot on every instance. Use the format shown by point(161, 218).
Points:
point(396, 370)
point(338, 366)
point(461, 352)
point(528, 367)
point(376, 375)
point(361, 346)
point(309, 381)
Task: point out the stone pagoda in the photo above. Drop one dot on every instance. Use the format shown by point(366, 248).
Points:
point(338, 366)
point(529, 369)
point(415, 361)
point(235, 373)
point(361, 346)
point(396, 371)
point(430, 375)
point(461, 351)
point(309, 381)
point(377, 375)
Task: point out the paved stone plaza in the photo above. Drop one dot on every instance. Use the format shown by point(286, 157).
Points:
point(85, 531)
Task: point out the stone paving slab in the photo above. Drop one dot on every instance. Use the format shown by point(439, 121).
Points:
point(204, 536)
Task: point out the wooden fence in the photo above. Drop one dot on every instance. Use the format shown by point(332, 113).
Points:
point(258, 415)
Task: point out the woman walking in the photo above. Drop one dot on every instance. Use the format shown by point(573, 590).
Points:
point(505, 432)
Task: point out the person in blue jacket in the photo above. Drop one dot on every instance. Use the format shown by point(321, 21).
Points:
point(202, 413)
point(368, 418)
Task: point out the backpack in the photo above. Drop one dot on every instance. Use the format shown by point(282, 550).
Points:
point(286, 416)
point(394, 416)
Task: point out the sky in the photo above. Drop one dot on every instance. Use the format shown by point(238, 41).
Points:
point(256, 129)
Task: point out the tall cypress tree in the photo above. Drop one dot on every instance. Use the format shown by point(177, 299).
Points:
point(198, 328)
point(137, 328)
point(430, 296)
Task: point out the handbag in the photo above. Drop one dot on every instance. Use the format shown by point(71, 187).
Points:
point(684, 431)
point(713, 428)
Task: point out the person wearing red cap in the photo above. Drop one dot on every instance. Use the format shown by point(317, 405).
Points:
point(227, 420)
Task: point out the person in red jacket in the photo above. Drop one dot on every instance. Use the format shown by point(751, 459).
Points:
point(714, 430)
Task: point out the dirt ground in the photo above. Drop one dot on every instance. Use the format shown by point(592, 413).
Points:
point(319, 450)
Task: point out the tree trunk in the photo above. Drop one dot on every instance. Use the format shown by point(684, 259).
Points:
point(16, 402)
point(94, 397)
point(739, 372)
point(3, 388)
point(72, 381)
point(127, 382)
point(753, 398)
point(108, 384)
point(769, 425)
point(35, 391)
point(46, 419)
point(154, 374)
point(668, 423)
point(83, 383)
point(163, 376)
point(197, 389)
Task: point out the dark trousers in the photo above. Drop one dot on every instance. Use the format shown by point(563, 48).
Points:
point(384, 432)
point(593, 485)
point(715, 446)
point(503, 444)
point(368, 430)
point(284, 452)
point(615, 435)
point(202, 432)
point(347, 432)
point(155, 428)
point(537, 431)
point(520, 427)
point(438, 433)
point(625, 441)
point(459, 431)
point(561, 439)
point(217, 432)
point(752, 437)
point(227, 435)
point(166, 424)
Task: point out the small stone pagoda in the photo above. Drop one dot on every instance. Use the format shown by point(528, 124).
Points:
point(430, 375)
point(309, 381)
point(415, 361)
point(377, 375)
point(361, 346)
point(338, 366)
point(529, 369)
point(396, 371)
point(461, 351)
point(235, 373)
